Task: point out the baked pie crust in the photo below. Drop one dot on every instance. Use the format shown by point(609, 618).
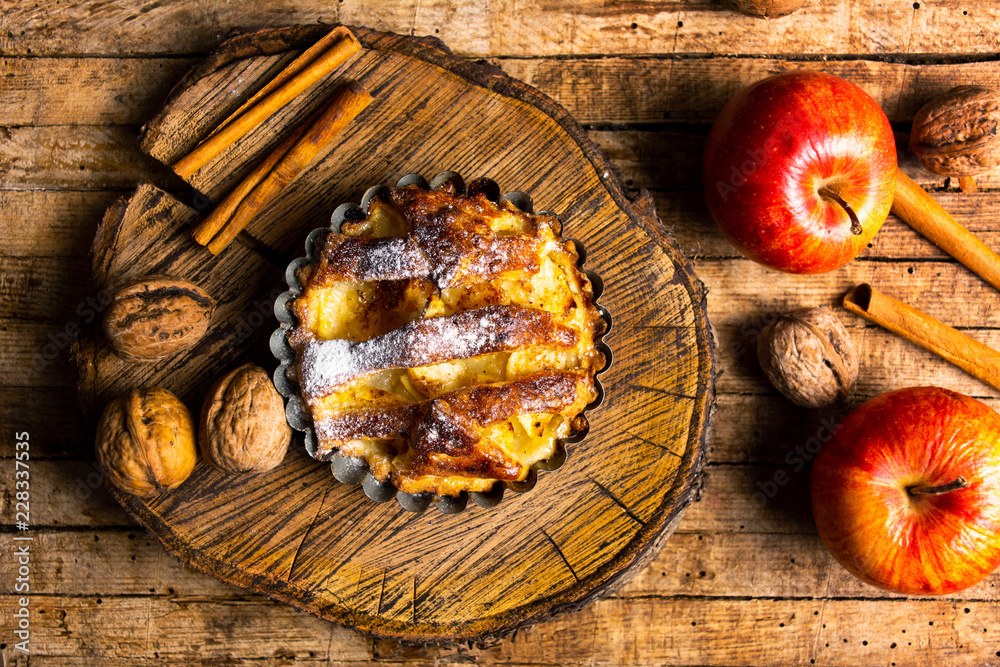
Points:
point(447, 338)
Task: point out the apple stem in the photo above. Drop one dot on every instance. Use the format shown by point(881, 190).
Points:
point(855, 223)
point(958, 483)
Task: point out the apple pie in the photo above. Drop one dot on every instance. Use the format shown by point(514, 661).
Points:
point(448, 339)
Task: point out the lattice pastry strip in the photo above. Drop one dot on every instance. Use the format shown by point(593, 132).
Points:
point(329, 364)
point(447, 432)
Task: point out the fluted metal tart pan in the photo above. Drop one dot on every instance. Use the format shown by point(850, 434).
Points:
point(353, 470)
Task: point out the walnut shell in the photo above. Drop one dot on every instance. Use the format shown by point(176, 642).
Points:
point(765, 9)
point(145, 442)
point(808, 356)
point(958, 132)
point(154, 317)
point(243, 427)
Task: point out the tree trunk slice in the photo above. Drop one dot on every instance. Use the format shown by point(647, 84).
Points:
point(294, 533)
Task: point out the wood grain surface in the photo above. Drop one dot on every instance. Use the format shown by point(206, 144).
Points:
point(297, 535)
point(743, 580)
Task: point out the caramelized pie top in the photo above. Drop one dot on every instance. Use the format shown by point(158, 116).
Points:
point(445, 339)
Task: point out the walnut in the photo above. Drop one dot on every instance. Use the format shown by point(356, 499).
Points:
point(765, 9)
point(243, 427)
point(956, 133)
point(145, 442)
point(808, 356)
point(154, 317)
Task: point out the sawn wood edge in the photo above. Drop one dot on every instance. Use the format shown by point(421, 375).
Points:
point(647, 541)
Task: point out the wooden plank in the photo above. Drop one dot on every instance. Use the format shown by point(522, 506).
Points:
point(737, 326)
point(51, 418)
point(51, 223)
point(70, 493)
point(531, 28)
point(36, 354)
point(120, 91)
point(109, 562)
point(70, 157)
point(774, 632)
point(689, 631)
point(118, 562)
point(43, 288)
point(123, 28)
point(634, 90)
point(769, 429)
point(753, 499)
point(178, 629)
point(670, 159)
point(760, 428)
point(728, 503)
point(641, 90)
point(685, 213)
point(798, 566)
point(65, 493)
point(76, 661)
point(517, 27)
point(933, 286)
point(888, 362)
point(739, 309)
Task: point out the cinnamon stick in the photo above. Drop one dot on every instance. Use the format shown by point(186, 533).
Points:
point(335, 55)
point(221, 214)
point(917, 327)
point(346, 103)
point(916, 207)
point(304, 59)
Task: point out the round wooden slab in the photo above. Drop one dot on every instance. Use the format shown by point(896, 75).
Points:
point(297, 535)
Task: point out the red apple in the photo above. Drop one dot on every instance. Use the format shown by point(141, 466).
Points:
point(799, 171)
point(906, 494)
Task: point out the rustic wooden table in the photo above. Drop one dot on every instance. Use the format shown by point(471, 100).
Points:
point(744, 580)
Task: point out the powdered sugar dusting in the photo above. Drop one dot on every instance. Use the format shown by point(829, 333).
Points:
point(448, 257)
point(478, 407)
point(367, 259)
point(327, 364)
point(393, 259)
